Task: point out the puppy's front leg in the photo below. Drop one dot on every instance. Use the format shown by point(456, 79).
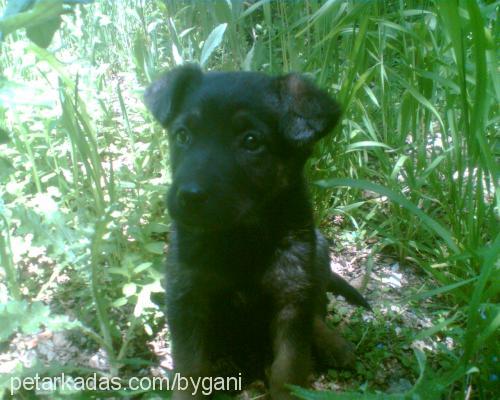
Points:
point(190, 346)
point(191, 363)
point(292, 290)
point(292, 350)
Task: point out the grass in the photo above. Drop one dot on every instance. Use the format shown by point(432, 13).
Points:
point(413, 170)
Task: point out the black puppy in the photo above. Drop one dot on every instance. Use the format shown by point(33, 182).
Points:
point(247, 271)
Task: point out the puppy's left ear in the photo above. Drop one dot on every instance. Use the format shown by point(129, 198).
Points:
point(164, 96)
point(308, 113)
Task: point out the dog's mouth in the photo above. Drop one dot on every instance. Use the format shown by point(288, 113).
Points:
point(212, 217)
point(196, 221)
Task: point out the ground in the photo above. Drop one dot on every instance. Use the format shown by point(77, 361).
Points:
point(384, 338)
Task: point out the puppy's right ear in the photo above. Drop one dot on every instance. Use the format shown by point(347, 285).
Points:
point(308, 113)
point(164, 97)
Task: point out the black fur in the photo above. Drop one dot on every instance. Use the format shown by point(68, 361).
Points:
point(247, 271)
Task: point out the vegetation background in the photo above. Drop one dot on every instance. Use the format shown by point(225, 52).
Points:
point(412, 172)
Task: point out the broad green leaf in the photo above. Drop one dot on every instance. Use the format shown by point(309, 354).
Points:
point(142, 267)
point(129, 289)
point(158, 227)
point(42, 11)
point(144, 298)
point(155, 247)
point(212, 42)
point(120, 302)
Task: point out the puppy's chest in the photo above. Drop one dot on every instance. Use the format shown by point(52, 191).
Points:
point(230, 289)
point(232, 292)
point(227, 273)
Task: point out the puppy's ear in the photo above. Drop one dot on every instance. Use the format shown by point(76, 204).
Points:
point(308, 112)
point(164, 97)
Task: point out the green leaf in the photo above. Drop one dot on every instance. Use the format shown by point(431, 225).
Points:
point(440, 290)
point(431, 224)
point(212, 42)
point(420, 98)
point(155, 247)
point(42, 11)
point(144, 298)
point(4, 136)
point(20, 316)
point(158, 227)
point(247, 62)
point(42, 34)
point(119, 302)
point(435, 328)
point(490, 261)
point(141, 267)
point(129, 289)
point(364, 145)
point(253, 8)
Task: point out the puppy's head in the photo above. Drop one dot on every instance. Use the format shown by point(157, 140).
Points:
point(237, 140)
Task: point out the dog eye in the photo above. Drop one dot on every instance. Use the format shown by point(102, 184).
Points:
point(182, 137)
point(251, 142)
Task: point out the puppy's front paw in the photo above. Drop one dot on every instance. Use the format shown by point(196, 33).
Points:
point(331, 349)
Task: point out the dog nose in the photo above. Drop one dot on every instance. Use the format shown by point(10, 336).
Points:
point(191, 196)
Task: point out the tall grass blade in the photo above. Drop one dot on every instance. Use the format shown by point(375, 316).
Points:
point(431, 224)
